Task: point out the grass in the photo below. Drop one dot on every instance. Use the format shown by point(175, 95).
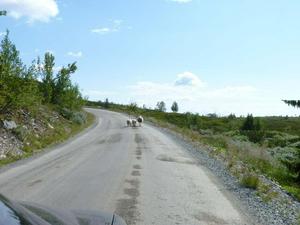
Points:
point(60, 133)
point(250, 181)
point(293, 190)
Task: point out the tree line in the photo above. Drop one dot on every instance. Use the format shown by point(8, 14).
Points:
point(23, 86)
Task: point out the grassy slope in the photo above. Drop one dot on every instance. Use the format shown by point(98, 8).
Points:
point(61, 130)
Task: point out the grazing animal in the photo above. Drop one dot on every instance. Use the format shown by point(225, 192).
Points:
point(129, 123)
point(134, 122)
point(140, 120)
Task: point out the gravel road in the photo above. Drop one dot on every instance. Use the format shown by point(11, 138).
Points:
point(139, 173)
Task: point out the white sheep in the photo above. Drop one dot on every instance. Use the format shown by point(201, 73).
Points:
point(134, 122)
point(129, 123)
point(140, 120)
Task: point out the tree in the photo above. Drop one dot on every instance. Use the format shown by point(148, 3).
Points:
point(248, 123)
point(47, 77)
point(64, 89)
point(12, 71)
point(106, 103)
point(20, 87)
point(174, 107)
point(161, 106)
point(252, 129)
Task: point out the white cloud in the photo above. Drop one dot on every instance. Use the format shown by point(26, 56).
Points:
point(188, 79)
point(103, 30)
point(115, 27)
point(75, 54)
point(181, 1)
point(2, 34)
point(33, 10)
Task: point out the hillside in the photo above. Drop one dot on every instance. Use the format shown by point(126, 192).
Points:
point(39, 105)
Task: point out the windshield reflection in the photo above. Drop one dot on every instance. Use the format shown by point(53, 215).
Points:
point(7, 216)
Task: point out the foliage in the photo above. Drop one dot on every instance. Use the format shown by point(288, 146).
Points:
point(132, 107)
point(294, 103)
point(252, 129)
point(20, 86)
point(47, 77)
point(3, 13)
point(79, 118)
point(250, 124)
point(174, 107)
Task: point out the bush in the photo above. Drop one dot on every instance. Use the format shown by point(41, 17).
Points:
point(20, 132)
point(255, 136)
point(216, 141)
point(76, 117)
point(79, 118)
point(250, 181)
point(66, 113)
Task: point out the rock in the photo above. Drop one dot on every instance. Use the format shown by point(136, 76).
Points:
point(50, 126)
point(9, 125)
point(2, 156)
point(18, 152)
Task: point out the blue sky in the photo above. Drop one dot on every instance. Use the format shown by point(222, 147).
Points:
point(222, 56)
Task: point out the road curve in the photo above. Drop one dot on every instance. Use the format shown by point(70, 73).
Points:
point(139, 173)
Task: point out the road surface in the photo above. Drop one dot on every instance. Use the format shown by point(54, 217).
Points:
point(139, 173)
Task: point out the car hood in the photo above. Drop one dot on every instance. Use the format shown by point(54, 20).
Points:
point(25, 213)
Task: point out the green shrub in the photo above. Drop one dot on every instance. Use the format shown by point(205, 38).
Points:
point(216, 141)
point(66, 113)
point(250, 181)
point(255, 136)
point(79, 118)
point(20, 132)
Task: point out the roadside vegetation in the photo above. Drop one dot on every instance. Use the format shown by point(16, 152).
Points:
point(249, 146)
point(39, 105)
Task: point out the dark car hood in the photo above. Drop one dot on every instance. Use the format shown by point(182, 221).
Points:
point(24, 213)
